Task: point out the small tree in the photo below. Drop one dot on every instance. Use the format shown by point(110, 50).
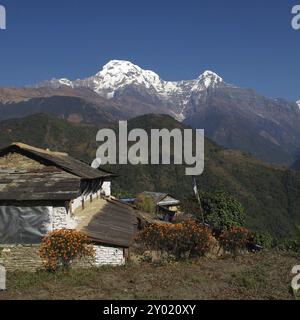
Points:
point(146, 203)
point(60, 247)
point(221, 211)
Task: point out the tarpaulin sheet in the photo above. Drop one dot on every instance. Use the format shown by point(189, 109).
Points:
point(23, 225)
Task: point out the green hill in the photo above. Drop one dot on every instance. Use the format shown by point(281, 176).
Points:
point(270, 194)
point(46, 131)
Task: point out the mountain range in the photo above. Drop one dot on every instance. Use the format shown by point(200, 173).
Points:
point(236, 118)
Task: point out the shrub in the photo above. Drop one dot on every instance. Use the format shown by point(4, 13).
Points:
point(294, 243)
point(235, 239)
point(188, 239)
point(122, 194)
point(145, 203)
point(221, 211)
point(262, 239)
point(60, 247)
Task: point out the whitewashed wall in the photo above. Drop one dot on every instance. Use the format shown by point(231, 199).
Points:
point(106, 188)
point(109, 256)
point(60, 218)
point(104, 255)
point(77, 203)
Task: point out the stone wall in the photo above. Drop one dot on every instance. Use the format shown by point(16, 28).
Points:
point(60, 218)
point(26, 258)
point(109, 256)
point(20, 257)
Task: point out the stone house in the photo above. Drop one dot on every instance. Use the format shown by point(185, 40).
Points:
point(42, 190)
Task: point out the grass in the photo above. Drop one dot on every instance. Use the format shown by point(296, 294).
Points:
point(254, 276)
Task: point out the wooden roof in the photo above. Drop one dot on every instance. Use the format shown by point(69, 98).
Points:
point(36, 186)
point(58, 159)
point(157, 196)
point(114, 224)
point(45, 175)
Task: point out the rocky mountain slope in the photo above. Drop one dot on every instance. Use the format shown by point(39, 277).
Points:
point(234, 117)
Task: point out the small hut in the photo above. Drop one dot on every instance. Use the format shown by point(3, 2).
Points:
point(166, 206)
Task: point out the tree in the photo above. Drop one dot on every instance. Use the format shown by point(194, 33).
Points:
point(221, 210)
point(145, 203)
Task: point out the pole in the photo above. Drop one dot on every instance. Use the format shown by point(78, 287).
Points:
point(195, 188)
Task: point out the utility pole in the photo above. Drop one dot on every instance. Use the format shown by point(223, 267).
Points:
point(195, 188)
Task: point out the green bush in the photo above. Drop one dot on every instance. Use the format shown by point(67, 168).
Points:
point(263, 239)
point(294, 243)
point(145, 203)
point(221, 211)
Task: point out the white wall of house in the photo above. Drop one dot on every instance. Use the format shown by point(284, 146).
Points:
point(109, 256)
point(60, 218)
point(104, 255)
point(106, 188)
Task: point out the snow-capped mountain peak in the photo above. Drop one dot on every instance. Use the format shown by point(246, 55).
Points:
point(119, 74)
point(298, 103)
point(210, 79)
point(65, 82)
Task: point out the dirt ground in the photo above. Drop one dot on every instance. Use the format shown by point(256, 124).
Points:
point(255, 276)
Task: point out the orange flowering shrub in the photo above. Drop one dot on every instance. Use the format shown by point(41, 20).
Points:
point(182, 240)
point(235, 239)
point(60, 247)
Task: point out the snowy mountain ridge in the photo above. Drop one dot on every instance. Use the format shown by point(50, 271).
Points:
point(118, 77)
point(118, 74)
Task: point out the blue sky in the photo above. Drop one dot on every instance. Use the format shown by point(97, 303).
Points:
point(248, 43)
